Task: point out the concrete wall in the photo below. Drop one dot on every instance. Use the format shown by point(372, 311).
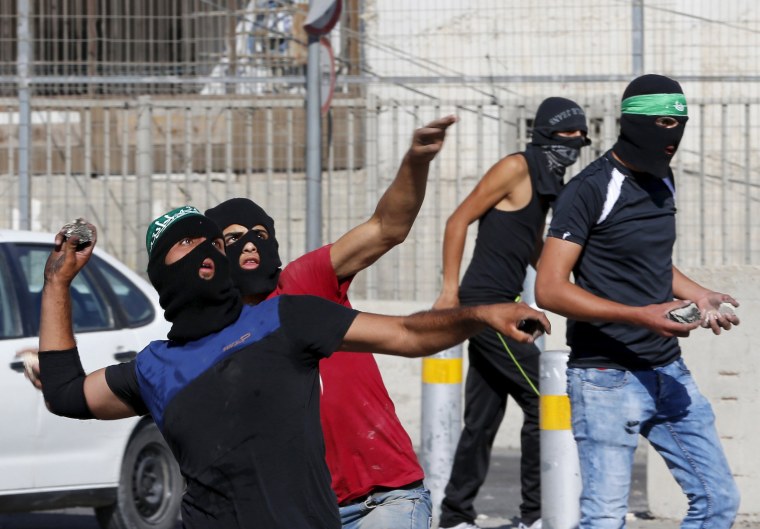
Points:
point(724, 366)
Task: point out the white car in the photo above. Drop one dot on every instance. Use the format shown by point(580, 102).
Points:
point(121, 468)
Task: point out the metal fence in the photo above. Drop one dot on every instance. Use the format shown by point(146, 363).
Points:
point(123, 163)
point(120, 110)
point(481, 47)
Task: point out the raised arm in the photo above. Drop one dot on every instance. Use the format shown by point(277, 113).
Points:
point(67, 390)
point(496, 187)
point(556, 293)
point(63, 264)
point(397, 208)
point(425, 333)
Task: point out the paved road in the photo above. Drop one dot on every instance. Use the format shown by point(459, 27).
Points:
point(72, 519)
point(499, 499)
point(497, 504)
point(79, 518)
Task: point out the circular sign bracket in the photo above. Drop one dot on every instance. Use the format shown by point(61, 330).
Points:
point(327, 73)
point(322, 16)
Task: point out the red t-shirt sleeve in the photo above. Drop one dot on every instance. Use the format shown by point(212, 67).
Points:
point(313, 274)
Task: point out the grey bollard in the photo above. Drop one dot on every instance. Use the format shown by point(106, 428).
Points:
point(441, 419)
point(560, 469)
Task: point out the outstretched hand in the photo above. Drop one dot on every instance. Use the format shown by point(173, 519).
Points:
point(68, 257)
point(427, 141)
point(712, 316)
point(518, 321)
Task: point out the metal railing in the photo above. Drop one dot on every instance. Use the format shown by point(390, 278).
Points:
point(123, 162)
point(118, 111)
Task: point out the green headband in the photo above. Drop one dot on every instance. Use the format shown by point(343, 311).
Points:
point(655, 105)
point(158, 226)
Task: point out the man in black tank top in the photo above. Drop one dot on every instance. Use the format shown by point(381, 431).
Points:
point(510, 202)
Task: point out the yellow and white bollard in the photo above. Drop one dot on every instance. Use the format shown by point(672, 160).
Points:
point(441, 419)
point(560, 469)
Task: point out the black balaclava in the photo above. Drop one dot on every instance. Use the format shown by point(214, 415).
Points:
point(548, 155)
point(641, 143)
point(195, 307)
point(245, 212)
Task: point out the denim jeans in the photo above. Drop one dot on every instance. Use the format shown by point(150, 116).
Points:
point(610, 408)
point(395, 509)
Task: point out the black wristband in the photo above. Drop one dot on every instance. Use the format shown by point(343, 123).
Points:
point(62, 379)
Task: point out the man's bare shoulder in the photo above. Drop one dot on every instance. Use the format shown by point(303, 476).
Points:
point(510, 170)
point(515, 164)
point(507, 173)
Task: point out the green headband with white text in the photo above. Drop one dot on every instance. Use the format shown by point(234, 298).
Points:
point(158, 226)
point(655, 105)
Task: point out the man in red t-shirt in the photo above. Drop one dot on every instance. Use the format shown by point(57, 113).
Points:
point(375, 473)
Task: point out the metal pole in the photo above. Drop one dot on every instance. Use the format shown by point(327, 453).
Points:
point(702, 198)
point(502, 145)
point(560, 468)
point(638, 37)
point(747, 185)
point(24, 57)
point(313, 149)
point(724, 209)
point(144, 173)
point(528, 295)
point(441, 419)
point(609, 122)
point(679, 218)
point(289, 181)
point(373, 171)
point(480, 139)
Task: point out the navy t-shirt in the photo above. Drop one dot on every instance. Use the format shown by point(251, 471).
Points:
point(625, 222)
point(240, 411)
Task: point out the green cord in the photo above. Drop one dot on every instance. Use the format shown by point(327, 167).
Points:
point(504, 343)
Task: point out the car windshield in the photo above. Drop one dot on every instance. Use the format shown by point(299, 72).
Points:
point(89, 311)
point(10, 324)
point(136, 306)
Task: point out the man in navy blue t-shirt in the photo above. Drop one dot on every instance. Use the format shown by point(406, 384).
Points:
point(614, 229)
point(235, 389)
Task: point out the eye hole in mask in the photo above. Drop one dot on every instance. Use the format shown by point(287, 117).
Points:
point(666, 122)
point(258, 233)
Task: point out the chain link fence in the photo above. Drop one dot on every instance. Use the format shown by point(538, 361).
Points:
point(122, 110)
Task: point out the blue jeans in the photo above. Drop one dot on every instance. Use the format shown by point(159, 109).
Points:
point(610, 408)
point(395, 509)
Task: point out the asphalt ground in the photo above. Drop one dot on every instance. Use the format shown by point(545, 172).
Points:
point(497, 504)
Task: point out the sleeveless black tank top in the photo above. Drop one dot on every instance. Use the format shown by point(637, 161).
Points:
point(504, 248)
